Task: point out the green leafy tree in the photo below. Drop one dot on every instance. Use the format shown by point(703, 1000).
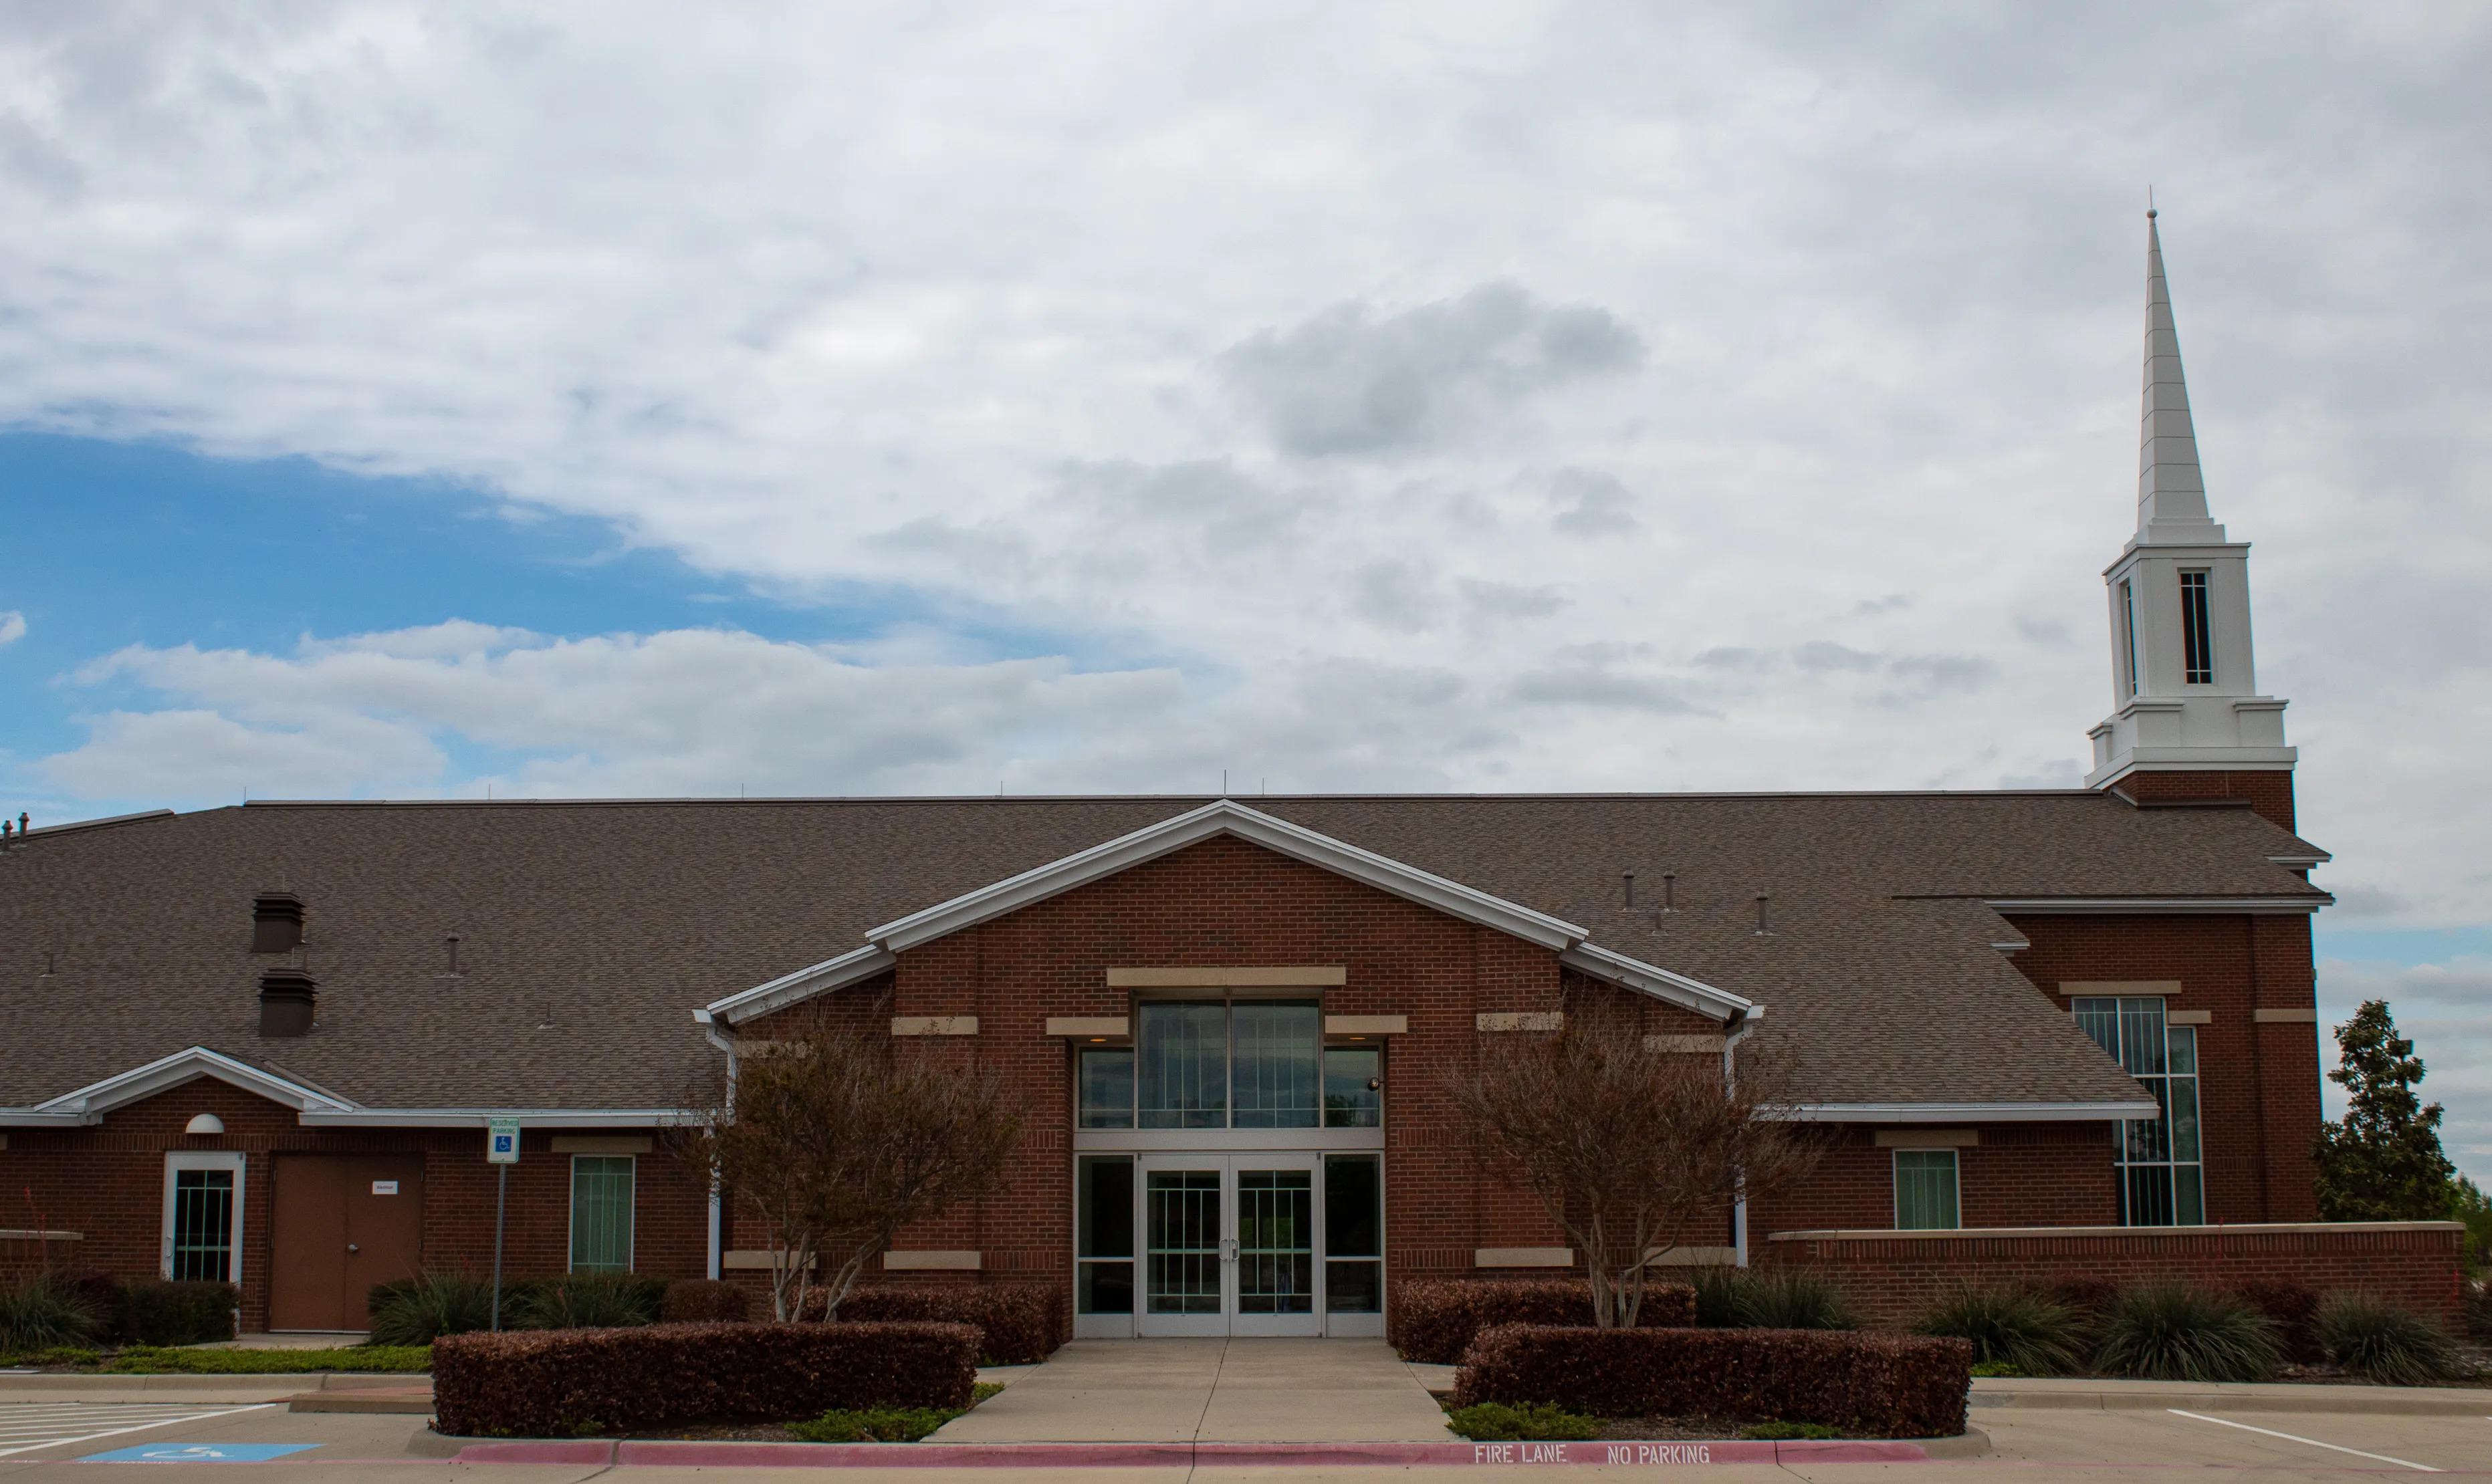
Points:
point(2383, 1160)
point(2468, 1203)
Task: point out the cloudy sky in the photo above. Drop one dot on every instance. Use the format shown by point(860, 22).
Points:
point(408, 400)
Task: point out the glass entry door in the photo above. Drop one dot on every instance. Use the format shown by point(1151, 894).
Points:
point(1229, 1244)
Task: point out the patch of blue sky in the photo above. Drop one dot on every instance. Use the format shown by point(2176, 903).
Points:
point(2400, 945)
point(111, 543)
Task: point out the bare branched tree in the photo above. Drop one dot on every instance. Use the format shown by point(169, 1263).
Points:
point(1630, 1145)
point(831, 1143)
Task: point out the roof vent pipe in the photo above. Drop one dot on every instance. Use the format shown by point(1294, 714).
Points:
point(1670, 890)
point(287, 1000)
point(1630, 888)
point(453, 941)
point(1760, 912)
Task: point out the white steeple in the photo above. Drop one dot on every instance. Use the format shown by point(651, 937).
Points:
point(2185, 694)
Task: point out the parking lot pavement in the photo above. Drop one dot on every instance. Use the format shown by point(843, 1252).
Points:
point(2329, 1442)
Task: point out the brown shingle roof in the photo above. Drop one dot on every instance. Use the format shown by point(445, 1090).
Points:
point(590, 930)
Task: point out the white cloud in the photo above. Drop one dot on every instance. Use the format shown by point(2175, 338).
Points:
point(12, 627)
point(1327, 378)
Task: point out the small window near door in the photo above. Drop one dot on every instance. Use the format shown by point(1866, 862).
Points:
point(1104, 1234)
point(601, 1214)
point(1352, 1082)
point(1353, 1233)
point(1925, 1190)
point(1107, 1084)
point(202, 1226)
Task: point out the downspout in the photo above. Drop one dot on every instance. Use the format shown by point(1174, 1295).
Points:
point(717, 1225)
point(1734, 1030)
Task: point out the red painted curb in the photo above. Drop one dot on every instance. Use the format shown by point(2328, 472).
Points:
point(1103, 1455)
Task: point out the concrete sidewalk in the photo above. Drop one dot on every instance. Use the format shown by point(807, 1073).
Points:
point(1210, 1391)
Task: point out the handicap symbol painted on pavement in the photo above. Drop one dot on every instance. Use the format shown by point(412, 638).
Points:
point(199, 1453)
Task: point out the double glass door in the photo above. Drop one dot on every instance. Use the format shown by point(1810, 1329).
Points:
point(1228, 1244)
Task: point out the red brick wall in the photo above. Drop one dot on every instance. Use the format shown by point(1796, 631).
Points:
point(2258, 1082)
point(107, 1183)
point(2031, 1174)
point(1894, 1276)
point(2270, 793)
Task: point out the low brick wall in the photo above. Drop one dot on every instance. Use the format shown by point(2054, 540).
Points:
point(1894, 1275)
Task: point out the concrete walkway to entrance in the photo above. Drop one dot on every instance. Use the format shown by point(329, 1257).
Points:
point(1210, 1391)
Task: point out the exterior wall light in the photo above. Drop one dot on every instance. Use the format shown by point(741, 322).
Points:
point(204, 1123)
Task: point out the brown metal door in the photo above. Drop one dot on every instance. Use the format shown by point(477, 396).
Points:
point(384, 1228)
point(344, 1222)
point(307, 1243)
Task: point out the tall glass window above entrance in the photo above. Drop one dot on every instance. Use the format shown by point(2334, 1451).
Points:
point(1242, 1063)
point(2162, 1171)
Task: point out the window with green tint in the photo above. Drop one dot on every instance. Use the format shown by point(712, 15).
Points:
point(1352, 1079)
point(2160, 1162)
point(601, 1214)
point(1925, 1190)
point(1107, 1084)
point(1277, 1045)
point(202, 1226)
point(1182, 1069)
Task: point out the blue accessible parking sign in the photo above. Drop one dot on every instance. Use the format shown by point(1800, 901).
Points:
point(199, 1453)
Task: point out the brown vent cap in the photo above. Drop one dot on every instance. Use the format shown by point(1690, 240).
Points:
point(287, 996)
point(275, 922)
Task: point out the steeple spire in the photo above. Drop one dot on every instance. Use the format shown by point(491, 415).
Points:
point(2171, 492)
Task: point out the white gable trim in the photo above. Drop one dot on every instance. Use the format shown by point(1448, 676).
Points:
point(1659, 983)
point(1224, 817)
point(89, 1104)
point(1227, 816)
point(804, 983)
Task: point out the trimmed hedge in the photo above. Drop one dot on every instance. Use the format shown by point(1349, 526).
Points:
point(567, 1383)
point(1433, 1319)
point(154, 1312)
point(1869, 1385)
point(704, 1301)
point(1023, 1323)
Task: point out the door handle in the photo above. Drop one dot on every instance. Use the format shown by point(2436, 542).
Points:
point(351, 1247)
point(1229, 1249)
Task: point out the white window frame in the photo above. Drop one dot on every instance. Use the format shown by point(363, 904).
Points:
point(571, 1215)
point(179, 1160)
point(1895, 1179)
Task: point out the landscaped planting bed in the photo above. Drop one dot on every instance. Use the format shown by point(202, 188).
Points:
point(1863, 1385)
point(1433, 1321)
point(578, 1383)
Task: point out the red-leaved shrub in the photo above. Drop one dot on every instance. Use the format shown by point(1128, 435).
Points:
point(1869, 1385)
point(565, 1383)
point(1023, 1323)
point(1432, 1320)
point(703, 1301)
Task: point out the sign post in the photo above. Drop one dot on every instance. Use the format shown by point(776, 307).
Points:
point(501, 1152)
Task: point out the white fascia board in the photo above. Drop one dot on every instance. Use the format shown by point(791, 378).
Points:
point(1659, 983)
point(1226, 816)
point(184, 1066)
point(1957, 1112)
point(787, 989)
point(2222, 905)
point(29, 1118)
point(2315, 858)
point(478, 1117)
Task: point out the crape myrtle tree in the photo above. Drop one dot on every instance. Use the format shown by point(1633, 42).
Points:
point(2383, 1160)
point(831, 1142)
point(1631, 1146)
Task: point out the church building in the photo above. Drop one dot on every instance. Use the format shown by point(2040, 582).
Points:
point(264, 1044)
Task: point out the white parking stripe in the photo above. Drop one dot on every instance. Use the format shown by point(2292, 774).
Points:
point(2310, 1441)
point(70, 1430)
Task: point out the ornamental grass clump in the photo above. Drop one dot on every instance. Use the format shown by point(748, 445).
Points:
point(2378, 1341)
point(585, 1301)
point(2171, 1331)
point(421, 1310)
point(40, 1311)
point(1790, 1298)
point(2020, 1331)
